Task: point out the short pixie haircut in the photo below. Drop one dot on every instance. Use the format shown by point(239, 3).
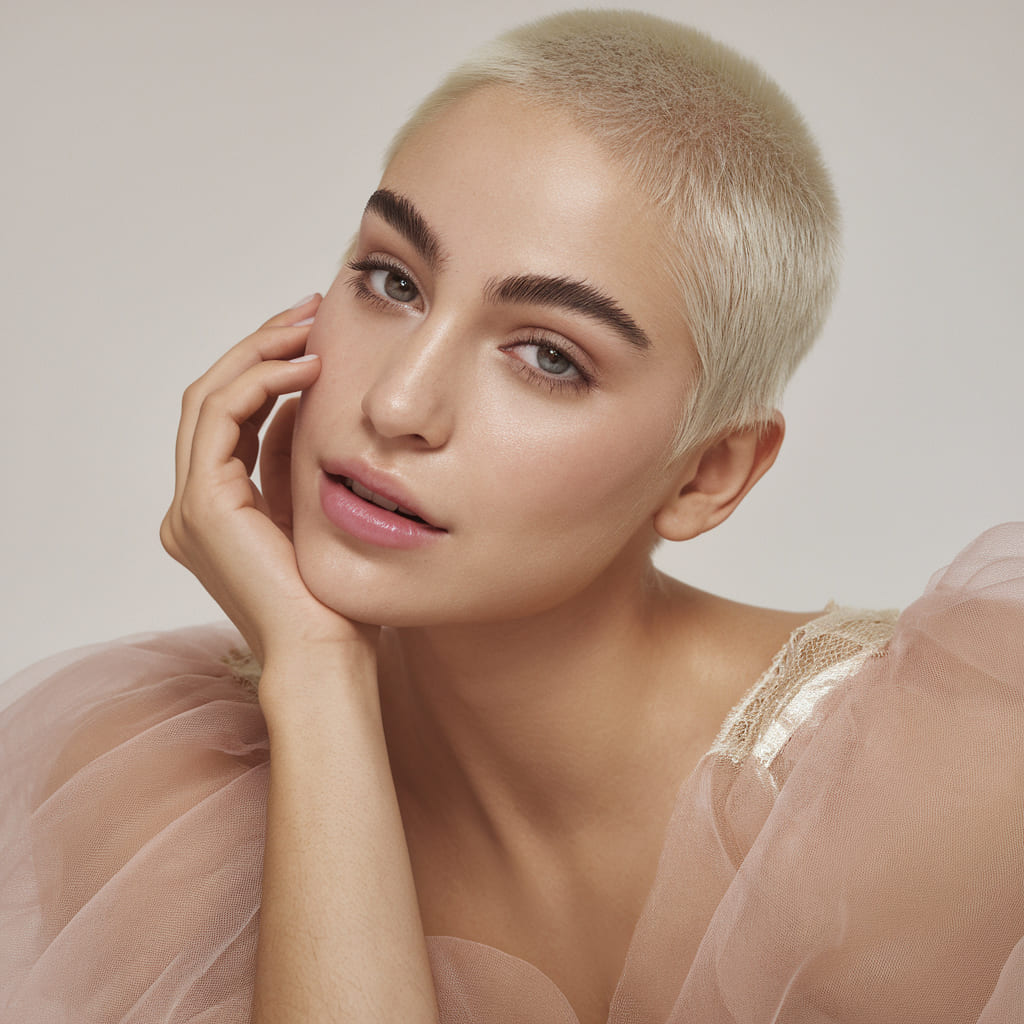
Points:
point(752, 226)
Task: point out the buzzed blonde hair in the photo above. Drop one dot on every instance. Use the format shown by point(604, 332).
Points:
point(751, 219)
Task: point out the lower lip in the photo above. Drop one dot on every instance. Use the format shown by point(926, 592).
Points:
point(371, 523)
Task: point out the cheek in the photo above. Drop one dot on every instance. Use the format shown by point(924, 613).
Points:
point(344, 341)
point(349, 351)
point(600, 475)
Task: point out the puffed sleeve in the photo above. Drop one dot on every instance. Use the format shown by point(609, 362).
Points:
point(887, 880)
point(132, 799)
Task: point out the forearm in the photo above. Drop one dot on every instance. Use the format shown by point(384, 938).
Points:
point(340, 931)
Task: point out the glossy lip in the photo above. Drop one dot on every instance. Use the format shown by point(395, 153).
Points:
point(363, 519)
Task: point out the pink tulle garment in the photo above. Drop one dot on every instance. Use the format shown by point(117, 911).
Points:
point(851, 849)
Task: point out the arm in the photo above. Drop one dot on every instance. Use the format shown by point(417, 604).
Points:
point(340, 933)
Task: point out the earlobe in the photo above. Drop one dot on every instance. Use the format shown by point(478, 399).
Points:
point(715, 479)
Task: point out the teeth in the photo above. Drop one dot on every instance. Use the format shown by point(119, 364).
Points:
point(368, 495)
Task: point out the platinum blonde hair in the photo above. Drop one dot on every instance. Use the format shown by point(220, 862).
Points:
point(752, 225)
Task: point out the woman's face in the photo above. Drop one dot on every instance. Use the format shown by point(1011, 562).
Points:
point(505, 356)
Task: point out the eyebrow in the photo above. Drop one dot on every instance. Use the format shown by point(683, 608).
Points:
point(399, 212)
point(576, 296)
point(524, 289)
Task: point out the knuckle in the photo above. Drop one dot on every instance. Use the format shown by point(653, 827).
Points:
point(189, 513)
point(193, 395)
point(214, 402)
point(168, 537)
point(195, 389)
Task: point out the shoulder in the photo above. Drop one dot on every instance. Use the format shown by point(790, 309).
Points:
point(960, 644)
point(818, 656)
point(79, 706)
point(886, 756)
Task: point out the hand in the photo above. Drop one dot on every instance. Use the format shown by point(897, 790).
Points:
point(234, 539)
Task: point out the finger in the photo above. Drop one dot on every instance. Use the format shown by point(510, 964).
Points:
point(299, 311)
point(218, 377)
point(276, 341)
point(248, 446)
point(225, 411)
point(276, 464)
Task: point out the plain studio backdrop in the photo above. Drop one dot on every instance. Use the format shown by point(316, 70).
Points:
point(174, 173)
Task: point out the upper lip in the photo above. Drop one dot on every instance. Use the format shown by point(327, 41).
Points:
point(380, 483)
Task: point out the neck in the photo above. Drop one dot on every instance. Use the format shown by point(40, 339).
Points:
point(542, 725)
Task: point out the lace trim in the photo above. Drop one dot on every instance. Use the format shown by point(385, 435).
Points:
point(817, 657)
point(244, 667)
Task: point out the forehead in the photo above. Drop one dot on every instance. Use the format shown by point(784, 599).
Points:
point(511, 186)
point(501, 147)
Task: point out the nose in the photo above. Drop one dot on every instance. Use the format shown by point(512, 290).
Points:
point(412, 393)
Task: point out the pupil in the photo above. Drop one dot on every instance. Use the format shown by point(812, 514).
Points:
point(399, 288)
point(552, 361)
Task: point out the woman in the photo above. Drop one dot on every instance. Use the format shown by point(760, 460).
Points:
point(594, 257)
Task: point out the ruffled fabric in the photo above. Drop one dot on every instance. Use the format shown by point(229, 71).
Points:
point(887, 881)
point(133, 790)
point(851, 848)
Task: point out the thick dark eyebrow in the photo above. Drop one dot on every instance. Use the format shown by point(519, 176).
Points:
point(566, 293)
point(525, 289)
point(400, 213)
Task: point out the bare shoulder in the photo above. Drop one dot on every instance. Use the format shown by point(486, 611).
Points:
point(721, 648)
point(728, 638)
point(752, 636)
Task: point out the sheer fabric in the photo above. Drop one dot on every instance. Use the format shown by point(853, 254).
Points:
point(851, 849)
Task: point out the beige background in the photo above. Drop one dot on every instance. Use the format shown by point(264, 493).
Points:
point(175, 172)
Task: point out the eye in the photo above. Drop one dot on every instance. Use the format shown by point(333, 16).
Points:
point(394, 284)
point(546, 363)
point(550, 360)
point(383, 281)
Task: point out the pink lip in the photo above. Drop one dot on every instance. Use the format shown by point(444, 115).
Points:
point(363, 519)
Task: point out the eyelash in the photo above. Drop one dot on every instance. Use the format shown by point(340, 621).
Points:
point(367, 265)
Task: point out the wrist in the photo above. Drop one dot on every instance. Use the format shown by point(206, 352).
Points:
point(306, 680)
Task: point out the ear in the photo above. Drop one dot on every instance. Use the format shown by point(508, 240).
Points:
point(715, 478)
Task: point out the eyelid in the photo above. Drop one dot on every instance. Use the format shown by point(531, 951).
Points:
point(381, 261)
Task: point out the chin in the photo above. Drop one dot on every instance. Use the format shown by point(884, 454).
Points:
point(365, 592)
point(417, 589)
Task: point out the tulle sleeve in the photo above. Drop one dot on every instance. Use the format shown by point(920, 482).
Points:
point(131, 834)
point(886, 882)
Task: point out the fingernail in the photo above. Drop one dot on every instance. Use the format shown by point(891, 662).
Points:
point(308, 357)
point(302, 302)
point(304, 323)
